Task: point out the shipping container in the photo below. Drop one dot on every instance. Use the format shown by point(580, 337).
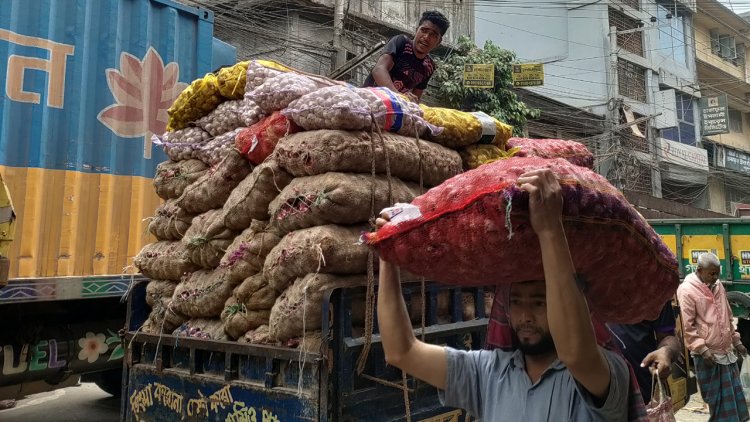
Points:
point(86, 84)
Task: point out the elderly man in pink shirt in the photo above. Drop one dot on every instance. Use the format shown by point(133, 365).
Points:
point(712, 339)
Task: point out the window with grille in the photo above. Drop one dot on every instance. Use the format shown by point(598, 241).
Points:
point(632, 3)
point(684, 132)
point(632, 42)
point(631, 80)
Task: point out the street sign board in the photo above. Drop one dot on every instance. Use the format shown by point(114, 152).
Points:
point(528, 74)
point(479, 76)
point(714, 115)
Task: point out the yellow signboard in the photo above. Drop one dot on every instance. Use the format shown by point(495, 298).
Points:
point(479, 76)
point(528, 74)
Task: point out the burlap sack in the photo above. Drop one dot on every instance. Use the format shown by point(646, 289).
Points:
point(336, 198)
point(149, 327)
point(170, 222)
point(202, 294)
point(215, 186)
point(322, 151)
point(164, 261)
point(255, 293)
point(173, 177)
point(164, 318)
point(247, 253)
point(238, 319)
point(159, 289)
point(324, 249)
point(205, 328)
point(303, 301)
point(249, 201)
point(207, 239)
point(259, 335)
point(310, 343)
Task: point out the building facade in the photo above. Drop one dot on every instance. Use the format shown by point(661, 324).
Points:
point(318, 36)
point(721, 45)
point(632, 62)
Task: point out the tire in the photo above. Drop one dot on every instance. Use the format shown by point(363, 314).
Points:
point(741, 300)
point(110, 382)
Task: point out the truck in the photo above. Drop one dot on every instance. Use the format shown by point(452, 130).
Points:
point(729, 239)
point(78, 112)
point(178, 378)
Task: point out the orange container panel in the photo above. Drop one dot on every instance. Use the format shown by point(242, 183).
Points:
point(77, 224)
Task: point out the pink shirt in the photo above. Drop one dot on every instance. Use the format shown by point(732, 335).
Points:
point(706, 317)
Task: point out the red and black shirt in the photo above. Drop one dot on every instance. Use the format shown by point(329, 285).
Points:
point(408, 71)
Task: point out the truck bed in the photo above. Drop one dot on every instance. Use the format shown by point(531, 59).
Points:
point(174, 378)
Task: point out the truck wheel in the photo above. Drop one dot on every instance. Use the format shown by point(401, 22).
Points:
point(110, 382)
point(741, 300)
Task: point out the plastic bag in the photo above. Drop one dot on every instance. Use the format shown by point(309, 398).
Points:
point(462, 128)
point(745, 377)
point(660, 408)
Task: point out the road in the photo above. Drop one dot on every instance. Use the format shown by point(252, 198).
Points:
point(83, 403)
point(87, 403)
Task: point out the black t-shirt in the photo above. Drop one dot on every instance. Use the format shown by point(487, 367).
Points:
point(408, 71)
point(638, 340)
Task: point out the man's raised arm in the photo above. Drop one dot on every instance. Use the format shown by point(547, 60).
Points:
point(567, 312)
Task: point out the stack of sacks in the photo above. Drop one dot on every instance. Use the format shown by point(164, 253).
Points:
point(273, 177)
point(203, 170)
point(340, 161)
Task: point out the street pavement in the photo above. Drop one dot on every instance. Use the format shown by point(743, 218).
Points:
point(83, 403)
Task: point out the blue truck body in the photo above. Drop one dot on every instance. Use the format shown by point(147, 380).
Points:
point(178, 378)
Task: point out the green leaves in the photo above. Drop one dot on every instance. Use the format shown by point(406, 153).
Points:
point(500, 102)
point(118, 351)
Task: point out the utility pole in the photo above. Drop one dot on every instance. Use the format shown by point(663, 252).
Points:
point(338, 34)
point(611, 141)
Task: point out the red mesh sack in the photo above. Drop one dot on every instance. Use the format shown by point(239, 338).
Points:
point(573, 151)
point(258, 141)
point(474, 230)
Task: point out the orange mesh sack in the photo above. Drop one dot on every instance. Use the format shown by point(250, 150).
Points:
point(258, 141)
point(474, 230)
point(573, 151)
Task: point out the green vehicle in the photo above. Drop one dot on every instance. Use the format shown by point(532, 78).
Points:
point(729, 239)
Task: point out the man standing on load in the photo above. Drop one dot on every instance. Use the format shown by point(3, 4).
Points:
point(712, 340)
point(406, 65)
point(558, 372)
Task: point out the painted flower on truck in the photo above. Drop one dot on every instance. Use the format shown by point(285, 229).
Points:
point(144, 90)
point(92, 346)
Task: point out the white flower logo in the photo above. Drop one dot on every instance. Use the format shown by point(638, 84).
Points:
point(92, 346)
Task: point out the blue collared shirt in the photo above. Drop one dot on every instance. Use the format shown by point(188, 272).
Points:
point(494, 386)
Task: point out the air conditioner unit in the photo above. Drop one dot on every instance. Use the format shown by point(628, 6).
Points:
point(740, 210)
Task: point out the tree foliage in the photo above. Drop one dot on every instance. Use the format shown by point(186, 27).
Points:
point(500, 102)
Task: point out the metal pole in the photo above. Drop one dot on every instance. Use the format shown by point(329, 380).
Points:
point(608, 168)
point(338, 34)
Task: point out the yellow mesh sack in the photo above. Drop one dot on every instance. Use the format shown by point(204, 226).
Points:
point(474, 156)
point(196, 101)
point(462, 129)
point(232, 81)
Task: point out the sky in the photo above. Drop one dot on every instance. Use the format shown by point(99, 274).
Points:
point(739, 6)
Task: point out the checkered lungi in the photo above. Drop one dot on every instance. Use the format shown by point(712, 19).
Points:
point(721, 389)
